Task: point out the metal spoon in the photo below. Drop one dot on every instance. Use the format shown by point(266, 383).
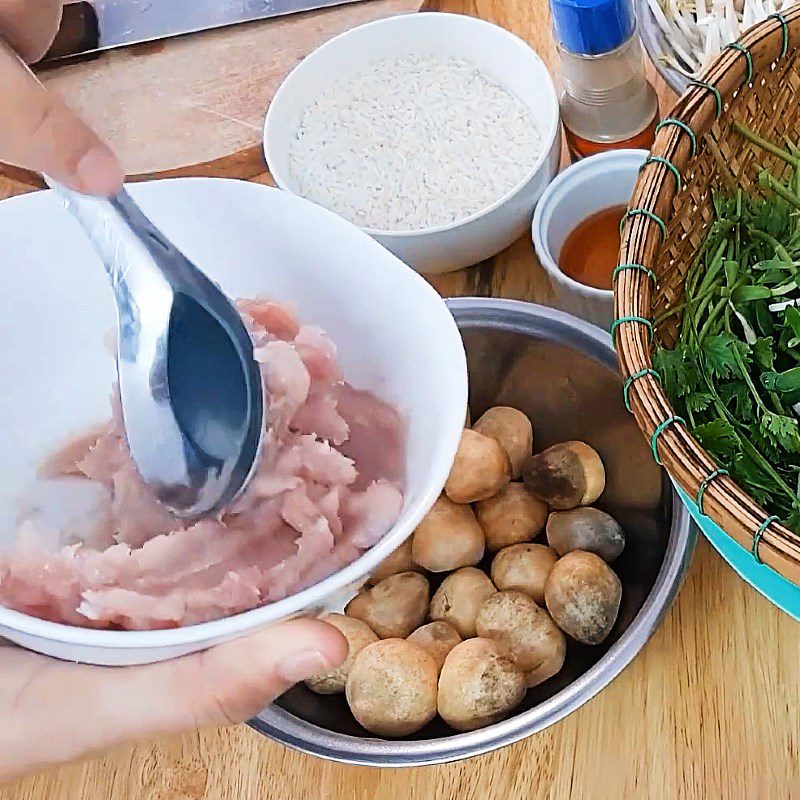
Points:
point(191, 391)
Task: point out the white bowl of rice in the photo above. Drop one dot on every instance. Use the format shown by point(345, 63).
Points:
point(435, 133)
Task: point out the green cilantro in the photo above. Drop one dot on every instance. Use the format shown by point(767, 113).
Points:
point(719, 353)
point(680, 375)
point(718, 437)
point(738, 400)
point(781, 431)
point(734, 372)
point(764, 353)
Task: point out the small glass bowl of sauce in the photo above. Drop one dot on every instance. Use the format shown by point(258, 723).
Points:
point(576, 231)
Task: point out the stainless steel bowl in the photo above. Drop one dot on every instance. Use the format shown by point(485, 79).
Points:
point(562, 373)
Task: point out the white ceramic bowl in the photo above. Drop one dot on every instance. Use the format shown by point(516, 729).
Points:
point(586, 187)
point(395, 336)
point(498, 54)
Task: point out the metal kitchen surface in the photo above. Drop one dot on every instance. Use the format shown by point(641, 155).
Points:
point(105, 24)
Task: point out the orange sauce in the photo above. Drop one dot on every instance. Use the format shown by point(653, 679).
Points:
point(589, 254)
point(580, 147)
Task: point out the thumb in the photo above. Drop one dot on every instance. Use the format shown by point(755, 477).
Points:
point(86, 709)
point(40, 133)
point(229, 683)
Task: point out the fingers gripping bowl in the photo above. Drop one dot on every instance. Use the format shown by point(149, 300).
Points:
point(267, 243)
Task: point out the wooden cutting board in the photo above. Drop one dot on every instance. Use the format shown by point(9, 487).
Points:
point(196, 104)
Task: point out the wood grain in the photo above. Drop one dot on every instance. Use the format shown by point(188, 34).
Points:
point(710, 710)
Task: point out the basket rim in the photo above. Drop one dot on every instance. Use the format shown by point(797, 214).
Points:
point(763, 48)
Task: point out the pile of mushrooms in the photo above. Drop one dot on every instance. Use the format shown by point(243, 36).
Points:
point(472, 650)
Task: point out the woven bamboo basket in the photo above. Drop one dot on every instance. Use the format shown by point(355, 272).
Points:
point(756, 82)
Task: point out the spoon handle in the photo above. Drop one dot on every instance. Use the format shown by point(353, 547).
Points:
point(134, 272)
point(169, 260)
point(132, 248)
point(121, 235)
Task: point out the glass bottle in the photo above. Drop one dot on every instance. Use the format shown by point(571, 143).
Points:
point(607, 102)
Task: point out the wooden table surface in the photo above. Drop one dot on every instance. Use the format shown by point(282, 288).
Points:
point(709, 710)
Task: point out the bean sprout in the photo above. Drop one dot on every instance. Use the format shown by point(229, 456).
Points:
point(697, 32)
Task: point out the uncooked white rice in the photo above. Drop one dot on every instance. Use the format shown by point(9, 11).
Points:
point(411, 143)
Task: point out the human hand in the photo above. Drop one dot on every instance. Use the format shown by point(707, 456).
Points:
point(53, 711)
point(37, 129)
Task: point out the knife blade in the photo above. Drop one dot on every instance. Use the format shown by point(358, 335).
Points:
point(105, 24)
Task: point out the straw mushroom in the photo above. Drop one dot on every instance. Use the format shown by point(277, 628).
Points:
point(398, 561)
point(524, 567)
point(481, 469)
point(566, 475)
point(583, 594)
point(437, 639)
point(459, 598)
point(513, 430)
point(479, 685)
point(514, 515)
point(394, 607)
point(534, 642)
point(586, 529)
point(392, 688)
point(448, 537)
point(358, 635)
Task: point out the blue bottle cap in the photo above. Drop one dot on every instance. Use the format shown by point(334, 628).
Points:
point(592, 27)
